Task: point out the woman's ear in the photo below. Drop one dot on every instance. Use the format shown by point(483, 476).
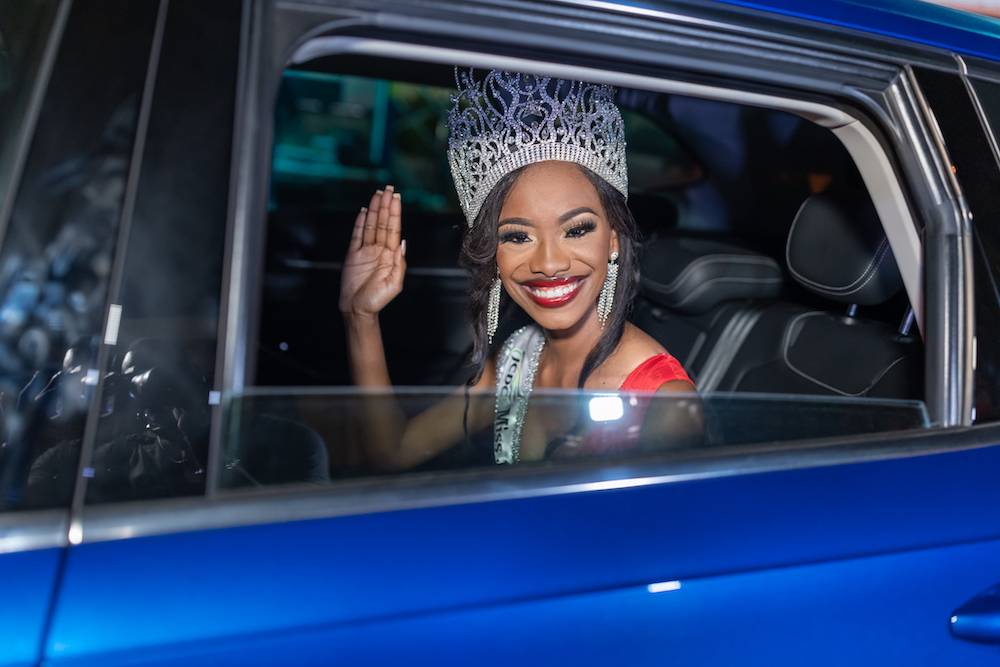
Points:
point(614, 241)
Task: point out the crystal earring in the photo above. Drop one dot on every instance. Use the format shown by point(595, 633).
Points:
point(493, 309)
point(607, 298)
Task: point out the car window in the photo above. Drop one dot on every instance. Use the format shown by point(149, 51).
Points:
point(25, 29)
point(730, 283)
point(152, 439)
point(987, 266)
point(58, 252)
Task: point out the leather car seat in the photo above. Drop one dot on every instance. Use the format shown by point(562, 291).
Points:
point(696, 294)
point(838, 250)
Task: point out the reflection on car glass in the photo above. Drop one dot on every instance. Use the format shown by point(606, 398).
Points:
point(699, 302)
point(58, 250)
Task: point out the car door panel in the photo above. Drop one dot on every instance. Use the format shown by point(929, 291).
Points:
point(281, 578)
point(29, 579)
point(876, 610)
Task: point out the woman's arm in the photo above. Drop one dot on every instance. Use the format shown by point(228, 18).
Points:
point(675, 418)
point(372, 277)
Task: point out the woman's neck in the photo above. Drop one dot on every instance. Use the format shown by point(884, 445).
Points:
point(566, 350)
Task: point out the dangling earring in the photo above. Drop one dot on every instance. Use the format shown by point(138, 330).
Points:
point(607, 298)
point(493, 309)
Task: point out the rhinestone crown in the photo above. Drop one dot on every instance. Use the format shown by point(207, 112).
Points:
point(507, 120)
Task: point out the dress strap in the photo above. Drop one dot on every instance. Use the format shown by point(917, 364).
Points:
point(653, 373)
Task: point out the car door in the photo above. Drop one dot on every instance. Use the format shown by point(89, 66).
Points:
point(856, 548)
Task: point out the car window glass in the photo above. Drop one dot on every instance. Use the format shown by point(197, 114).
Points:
point(152, 439)
point(59, 248)
point(727, 285)
point(25, 27)
point(987, 272)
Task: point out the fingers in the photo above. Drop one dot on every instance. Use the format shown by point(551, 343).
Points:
point(357, 235)
point(395, 230)
point(398, 265)
point(371, 217)
point(382, 221)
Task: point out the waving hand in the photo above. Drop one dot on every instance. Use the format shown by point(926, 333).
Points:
point(373, 269)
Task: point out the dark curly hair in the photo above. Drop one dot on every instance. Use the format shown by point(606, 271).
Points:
point(479, 253)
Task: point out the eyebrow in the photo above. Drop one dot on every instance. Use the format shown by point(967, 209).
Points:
point(568, 215)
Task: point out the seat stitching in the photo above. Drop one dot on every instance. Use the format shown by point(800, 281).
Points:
point(786, 344)
point(710, 259)
point(703, 286)
point(867, 275)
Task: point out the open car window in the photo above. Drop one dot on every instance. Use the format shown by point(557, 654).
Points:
point(765, 271)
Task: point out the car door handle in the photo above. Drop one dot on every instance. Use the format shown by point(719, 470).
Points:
point(978, 620)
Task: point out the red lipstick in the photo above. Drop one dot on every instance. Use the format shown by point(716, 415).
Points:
point(554, 292)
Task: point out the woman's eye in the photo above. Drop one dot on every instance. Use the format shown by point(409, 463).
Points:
point(514, 237)
point(582, 229)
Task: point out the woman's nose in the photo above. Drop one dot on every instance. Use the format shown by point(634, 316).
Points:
point(550, 258)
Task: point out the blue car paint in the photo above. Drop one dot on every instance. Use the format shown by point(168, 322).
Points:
point(906, 20)
point(858, 612)
point(25, 595)
point(226, 586)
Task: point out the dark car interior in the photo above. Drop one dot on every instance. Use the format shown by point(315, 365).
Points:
point(764, 267)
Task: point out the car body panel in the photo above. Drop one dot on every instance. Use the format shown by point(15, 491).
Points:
point(29, 579)
point(867, 611)
point(904, 20)
point(375, 567)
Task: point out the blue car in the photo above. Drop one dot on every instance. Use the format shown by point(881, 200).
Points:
point(184, 476)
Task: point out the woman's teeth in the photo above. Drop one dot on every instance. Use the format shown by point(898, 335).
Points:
point(554, 292)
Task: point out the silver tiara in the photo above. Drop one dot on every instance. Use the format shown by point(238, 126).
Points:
point(505, 121)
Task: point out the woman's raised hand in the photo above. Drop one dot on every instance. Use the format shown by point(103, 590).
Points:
point(373, 269)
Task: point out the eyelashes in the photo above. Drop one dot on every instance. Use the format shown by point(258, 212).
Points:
point(581, 229)
point(576, 231)
point(514, 237)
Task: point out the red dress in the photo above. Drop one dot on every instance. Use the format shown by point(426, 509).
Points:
point(653, 373)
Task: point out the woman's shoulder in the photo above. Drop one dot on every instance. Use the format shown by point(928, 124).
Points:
point(635, 348)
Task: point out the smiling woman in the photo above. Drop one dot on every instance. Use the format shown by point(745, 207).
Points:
point(539, 165)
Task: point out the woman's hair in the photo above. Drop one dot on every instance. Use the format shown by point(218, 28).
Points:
point(479, 257)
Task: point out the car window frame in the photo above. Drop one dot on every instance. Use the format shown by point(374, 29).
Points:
point(311, 45)
point(261, 64)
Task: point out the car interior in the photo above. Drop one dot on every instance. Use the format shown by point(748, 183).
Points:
point(765, 267)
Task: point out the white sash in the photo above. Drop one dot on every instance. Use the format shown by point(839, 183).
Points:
point(516, 365)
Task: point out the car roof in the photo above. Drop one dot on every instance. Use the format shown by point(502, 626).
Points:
point(907, 20)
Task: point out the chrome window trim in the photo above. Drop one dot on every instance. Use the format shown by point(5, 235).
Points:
point(32, 530)
point(101, 523)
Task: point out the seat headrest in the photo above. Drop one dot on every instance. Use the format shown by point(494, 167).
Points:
point(692, 275)
point(838, 249)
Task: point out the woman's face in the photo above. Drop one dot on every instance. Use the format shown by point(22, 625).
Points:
point(554, 244)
